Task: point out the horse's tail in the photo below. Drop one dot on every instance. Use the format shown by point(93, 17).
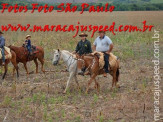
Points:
point(117, 74)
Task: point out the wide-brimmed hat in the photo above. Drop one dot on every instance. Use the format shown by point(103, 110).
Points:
point(83, 34)
point(1, 32)
point(28, 36)
point(101, 31)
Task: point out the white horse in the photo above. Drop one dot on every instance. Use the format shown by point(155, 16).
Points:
point(71, 63)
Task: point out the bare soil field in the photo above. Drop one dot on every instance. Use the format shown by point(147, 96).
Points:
point(39, 97)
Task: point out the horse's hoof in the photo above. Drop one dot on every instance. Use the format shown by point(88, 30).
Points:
point(95, 86)
point(64, 92)
point(86, 92)
point(79, 88)
point(118, 86)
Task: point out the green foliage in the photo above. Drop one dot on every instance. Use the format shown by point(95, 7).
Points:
point(6, 102)
point(120, 5)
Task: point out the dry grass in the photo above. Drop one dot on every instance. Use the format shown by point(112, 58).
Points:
point(39, 97)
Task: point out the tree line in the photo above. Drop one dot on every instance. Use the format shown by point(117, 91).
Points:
point(119, 6)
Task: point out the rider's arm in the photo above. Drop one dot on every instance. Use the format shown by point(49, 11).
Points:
point(77, 48)
point(29, 42)
point(110, 45)
point(89, 47)
point(94, 45)
point(110, 49)
point(94, 48)
point(2, 42)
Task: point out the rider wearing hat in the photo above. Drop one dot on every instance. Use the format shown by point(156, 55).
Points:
point(28, 44)
point(84, 45)
point(2, 44)
point(103, 44)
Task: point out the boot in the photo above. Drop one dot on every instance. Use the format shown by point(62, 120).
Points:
point(105, 74)
point(3, 63)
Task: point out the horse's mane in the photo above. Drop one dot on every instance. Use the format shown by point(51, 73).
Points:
point(69, 53)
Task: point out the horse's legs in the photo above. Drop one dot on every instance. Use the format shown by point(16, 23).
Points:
point(89, 82)
point(68, 81)
point(15, 67)
point(25, 66)
point(117, 85)
point(76, 81)
point(97, 86)
point(114, 79)
point(42, 64)
point(35, 60)
point(6, 68)
point(13, 71)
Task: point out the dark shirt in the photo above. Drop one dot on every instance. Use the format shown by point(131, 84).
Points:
point(2, 42)
point(28, 43)
point(83, 47)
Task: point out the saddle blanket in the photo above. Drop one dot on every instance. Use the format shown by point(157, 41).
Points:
point(112, 59)
point(8, 54)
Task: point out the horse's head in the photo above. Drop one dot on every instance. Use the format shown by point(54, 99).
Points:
point(56, 58)
point(81, 65)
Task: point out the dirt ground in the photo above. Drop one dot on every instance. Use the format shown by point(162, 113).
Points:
point(39, 97)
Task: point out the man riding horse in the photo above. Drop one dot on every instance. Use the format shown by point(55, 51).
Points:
point(28, 45)
point(2, 44)
point(84, 45)
point(103, 44)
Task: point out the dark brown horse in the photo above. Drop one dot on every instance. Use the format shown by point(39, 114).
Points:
point(91, 64)
point(13, 61)
point(22, 56)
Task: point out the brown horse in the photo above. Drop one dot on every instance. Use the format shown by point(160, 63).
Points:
point(7, 61)
point(22, 56)
point(91, 64)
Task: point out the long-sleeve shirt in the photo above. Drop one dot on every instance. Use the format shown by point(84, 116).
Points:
point(2, 41)
point(28, 43)
point(83, 47)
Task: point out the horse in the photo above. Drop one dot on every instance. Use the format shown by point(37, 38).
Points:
point(71, 63)
point(22, 56)
point(7, 61)
point(91, 64)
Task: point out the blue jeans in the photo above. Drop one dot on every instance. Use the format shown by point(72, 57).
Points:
point(29, 49)
point(106, 57)
point(3, 54)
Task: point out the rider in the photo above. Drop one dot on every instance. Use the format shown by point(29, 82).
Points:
point(84, 45)
point(28, 44)
point(103, 44)
point(2, 44)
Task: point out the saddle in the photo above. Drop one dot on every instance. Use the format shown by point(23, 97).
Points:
point(8, 54)
point(112, 59)
point(33, 48)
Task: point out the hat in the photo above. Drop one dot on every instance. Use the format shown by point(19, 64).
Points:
point(101, 31)
point(83, 34)
point(27, 36)
point(1, 32)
